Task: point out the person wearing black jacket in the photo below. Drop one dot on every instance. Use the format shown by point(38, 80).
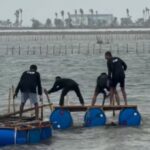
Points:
point(102, 86)
point(29, 83)
point(66, 85)
point(116, 72)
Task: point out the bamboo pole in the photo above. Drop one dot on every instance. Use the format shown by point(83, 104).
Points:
point(117, 48)
point(40, 50)
point(19, 50)
point(53, 49)
point(143, 47)
point(12, 52)
point(13, 92)
point(71, 49)
point(7, 50)
point(41, 108)
point(136, 47)
point(48, 99)
point(127, 48)
point(46, 50)
point(79, 48)
point(9, 100)
point(28, 50)
point(93, 49)
point(65, 49)
point(59, 49)
point(88, 48)
point(100, 48)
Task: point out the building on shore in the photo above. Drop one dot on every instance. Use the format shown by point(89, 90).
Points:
point(91, 20)
point(127, 22)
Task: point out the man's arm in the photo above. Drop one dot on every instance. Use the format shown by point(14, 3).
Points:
point(39, 84)
point(109, 68)
point(124, 64)
point(55, 88)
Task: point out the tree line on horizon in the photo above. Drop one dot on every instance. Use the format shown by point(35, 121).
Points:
point(62, 22)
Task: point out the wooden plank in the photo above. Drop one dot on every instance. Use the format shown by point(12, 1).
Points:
point(76, 108)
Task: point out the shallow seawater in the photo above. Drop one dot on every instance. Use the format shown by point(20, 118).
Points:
point(84, 69)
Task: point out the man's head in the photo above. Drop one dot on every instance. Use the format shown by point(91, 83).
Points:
point(104, 73)
point(108, 55)
point(57, 78)
point(33, 68)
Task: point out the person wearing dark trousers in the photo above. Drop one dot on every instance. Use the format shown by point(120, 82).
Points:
point(116, 73)
point(102, 86)
point(65, 85)
point(29, 84)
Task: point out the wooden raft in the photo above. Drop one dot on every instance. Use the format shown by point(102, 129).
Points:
point(23, 123)
point(76, 108)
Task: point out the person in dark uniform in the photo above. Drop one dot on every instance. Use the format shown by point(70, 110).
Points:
point(102, 86)
point(29, 82)
point(116, 72)
point(66, 85)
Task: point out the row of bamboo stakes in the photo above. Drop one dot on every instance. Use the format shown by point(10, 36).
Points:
point(89, 49)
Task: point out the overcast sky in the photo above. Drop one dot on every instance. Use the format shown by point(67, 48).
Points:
point(42, 9)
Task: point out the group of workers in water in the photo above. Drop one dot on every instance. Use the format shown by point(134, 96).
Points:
point(30, 85)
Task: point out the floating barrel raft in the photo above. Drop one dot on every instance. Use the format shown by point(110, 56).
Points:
point(94, 116)
point(129, 117)
point(32, 132)
point(61, 119)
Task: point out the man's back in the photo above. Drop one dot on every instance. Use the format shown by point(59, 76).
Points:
point(62, 83)
point(29, 81)
point(116, 66)
point(102, 81)
point(65, 82)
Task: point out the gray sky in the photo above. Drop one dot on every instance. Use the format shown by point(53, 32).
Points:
point(42, 9)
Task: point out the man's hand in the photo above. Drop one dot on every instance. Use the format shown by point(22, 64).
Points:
point(14, 96)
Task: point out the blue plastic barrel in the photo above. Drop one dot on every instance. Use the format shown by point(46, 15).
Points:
point(94, 117)
point(21, 136)
point(46, 132)
point(34, 135)
point(129, 117)
point(7, 136)
point(61, 119)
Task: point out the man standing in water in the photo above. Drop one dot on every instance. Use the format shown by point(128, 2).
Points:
point(116, 68)
point(28, 84)
point(66, 85)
